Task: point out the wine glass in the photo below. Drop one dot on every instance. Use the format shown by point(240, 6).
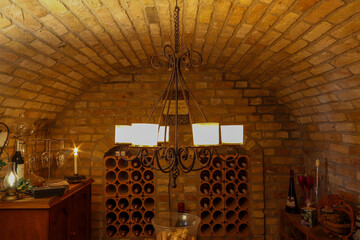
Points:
point(46, 156)
point(32, 159)
point(60, 155)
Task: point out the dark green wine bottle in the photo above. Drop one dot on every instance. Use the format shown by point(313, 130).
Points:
point(291, 202)
point(19, 161)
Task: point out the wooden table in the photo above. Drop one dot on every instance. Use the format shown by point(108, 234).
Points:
point(291, 228)
point(66, 217)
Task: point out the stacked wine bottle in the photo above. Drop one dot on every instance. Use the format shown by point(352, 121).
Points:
point(130, 200)
point(224, 198)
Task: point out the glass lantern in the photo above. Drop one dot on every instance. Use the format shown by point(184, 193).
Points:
point(10, 182)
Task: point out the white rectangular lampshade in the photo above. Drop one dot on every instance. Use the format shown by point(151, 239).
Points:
point(123, 134)
point(232, 134)
point(162, 134)
point(205, 134)
point(144, 134)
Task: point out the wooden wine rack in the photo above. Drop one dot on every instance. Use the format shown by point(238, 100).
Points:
point(130, 199)
point(224, 205)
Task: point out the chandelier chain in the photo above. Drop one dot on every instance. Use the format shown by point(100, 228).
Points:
point(177, 28)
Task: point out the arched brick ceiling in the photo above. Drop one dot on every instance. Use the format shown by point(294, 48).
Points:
point(307, 51)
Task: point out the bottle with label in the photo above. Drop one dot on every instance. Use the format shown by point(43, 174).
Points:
point(19, 161)
point(291, 203)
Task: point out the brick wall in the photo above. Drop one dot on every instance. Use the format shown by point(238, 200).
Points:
point(271, 132)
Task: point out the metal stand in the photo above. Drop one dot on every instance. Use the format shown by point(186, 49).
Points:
point(48, 141)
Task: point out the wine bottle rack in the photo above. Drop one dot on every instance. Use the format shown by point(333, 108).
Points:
point(224, 198)
point(130, 200)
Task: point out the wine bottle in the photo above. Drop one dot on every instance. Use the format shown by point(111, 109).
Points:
point(111, 230)
point(149, 188)
point(124, 230)
point(149, 175)
point(204, 203)
point(135, 163)
point(110, 217)
point(110, 204)
point(217, 175)
point(243, 162)
point(205, 188)
point(291, 202)
point(136, 217)
point(230, 188)
point(136, 188)
point(217, 162)
point(205, 175)
point(19, 161)
point(148, 216)
point(124, 216)
point(181, 209)
point(136, 203)
point(123, 203)
point(136, 176)
point(149, 230)
point(230, 164)
point(230, 175)
point(242, 188)
point(242, 175)
point(137, 229)
point(217, 188)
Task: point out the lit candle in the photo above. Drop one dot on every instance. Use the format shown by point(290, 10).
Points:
point(75, 160)
point(12, 179)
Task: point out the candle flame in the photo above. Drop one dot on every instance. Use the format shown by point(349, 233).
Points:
point(75, 151)
point(11, 179)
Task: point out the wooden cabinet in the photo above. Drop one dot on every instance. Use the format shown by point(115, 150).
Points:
point(291, 228)
point(66, 217)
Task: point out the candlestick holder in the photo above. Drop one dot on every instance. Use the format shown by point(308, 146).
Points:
point(75, 179)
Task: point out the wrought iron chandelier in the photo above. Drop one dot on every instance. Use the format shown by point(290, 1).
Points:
point(150, 143)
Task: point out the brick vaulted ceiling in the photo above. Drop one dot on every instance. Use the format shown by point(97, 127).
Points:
point(306, 51)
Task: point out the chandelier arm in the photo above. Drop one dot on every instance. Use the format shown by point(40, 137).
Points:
point(193, 97)
point(160, 97)
point(148, 163)
point(193, 61)
point(207, 163)
point(237, 153)
point(169, 57)
point(168, 168)
point(129, 159)
point(204, 151)
point(156, 62)
point(183, 167)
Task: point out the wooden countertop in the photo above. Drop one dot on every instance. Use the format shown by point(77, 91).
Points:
point(28, 202)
